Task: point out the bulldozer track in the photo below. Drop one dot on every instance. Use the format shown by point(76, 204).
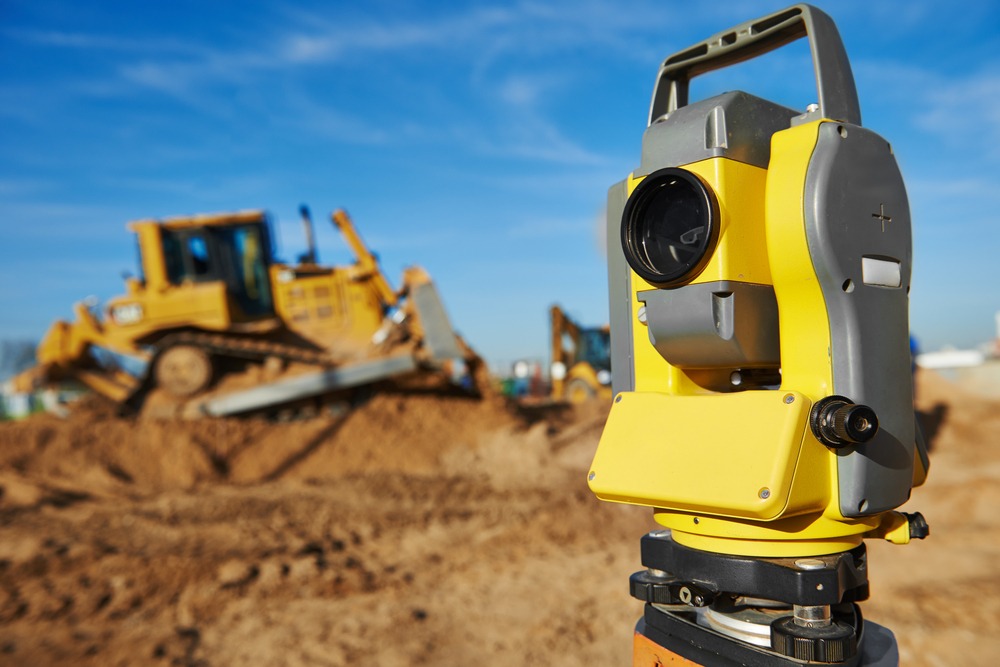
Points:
point(245, 348)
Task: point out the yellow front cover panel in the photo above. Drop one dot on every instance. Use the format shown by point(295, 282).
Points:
point(729, 455)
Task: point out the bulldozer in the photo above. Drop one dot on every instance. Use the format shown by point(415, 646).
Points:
point(581, 360)
point(218, 326)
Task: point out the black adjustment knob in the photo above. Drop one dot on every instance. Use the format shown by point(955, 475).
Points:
point(661, 589)
point(837, 422)
point(919, 529)
point(835, 642)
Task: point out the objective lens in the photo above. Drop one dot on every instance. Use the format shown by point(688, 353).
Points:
point(669, 226)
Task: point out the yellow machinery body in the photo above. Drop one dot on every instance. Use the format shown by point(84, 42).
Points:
point(581, 361)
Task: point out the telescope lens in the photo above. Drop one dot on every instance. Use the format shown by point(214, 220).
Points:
point(669, 226)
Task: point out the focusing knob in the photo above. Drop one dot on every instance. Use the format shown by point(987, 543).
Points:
point(918, 525)
point(832, 643)
point(837, 422)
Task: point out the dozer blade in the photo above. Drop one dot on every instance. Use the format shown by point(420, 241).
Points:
point(307, 385)
point(114, 384)
point(439, 337)
point(29, 380)
point(117, 385)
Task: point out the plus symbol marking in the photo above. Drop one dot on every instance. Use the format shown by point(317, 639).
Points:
point(881, 216)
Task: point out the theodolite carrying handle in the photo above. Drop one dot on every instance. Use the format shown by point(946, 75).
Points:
point(838, 97)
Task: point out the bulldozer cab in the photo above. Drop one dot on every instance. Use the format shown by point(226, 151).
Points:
point(234, 254)
point(593, 346)
point(232, 251)
point(581, 359)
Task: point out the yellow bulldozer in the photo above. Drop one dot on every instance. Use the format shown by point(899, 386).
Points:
point(218, 326)
point(581, 360)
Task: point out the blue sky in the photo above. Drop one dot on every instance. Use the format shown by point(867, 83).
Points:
point(476, 139)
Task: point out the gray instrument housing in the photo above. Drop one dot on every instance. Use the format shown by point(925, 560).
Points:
point(692, 133)
point(852, 177)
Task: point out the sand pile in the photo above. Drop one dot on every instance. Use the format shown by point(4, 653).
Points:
point(93, 452)
point(419, 529)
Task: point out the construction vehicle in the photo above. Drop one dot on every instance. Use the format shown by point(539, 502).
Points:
point(219, 326)
point(581, 360)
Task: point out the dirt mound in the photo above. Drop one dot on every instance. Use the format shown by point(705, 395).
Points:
point(921, 590)
point(95, 452)
point(420, 529)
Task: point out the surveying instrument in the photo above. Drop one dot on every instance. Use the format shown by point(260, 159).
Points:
point(759, 271)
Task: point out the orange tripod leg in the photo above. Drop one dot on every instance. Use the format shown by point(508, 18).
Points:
point(647, 653)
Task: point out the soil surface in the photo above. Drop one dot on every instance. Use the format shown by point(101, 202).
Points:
point(419, 529)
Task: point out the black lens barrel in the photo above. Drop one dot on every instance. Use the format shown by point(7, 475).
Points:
point(670, 226)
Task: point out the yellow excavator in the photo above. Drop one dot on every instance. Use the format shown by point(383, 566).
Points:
point(581, 360)
point(220, 327)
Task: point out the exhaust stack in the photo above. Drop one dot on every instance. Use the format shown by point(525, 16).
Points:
point(309, 257)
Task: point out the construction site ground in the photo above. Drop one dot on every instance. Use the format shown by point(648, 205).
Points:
point(418, 530)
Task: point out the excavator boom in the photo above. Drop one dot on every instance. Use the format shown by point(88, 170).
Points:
point(581, 359)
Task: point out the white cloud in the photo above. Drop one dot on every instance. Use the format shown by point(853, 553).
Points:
point(308, 48)
point(320, 120)
point(15, 187)
point(520, 91)
point(964, 110)
point(42, 220)
point(545, 228)
point(176, 64)
point(495, 44)
point(99, 42)
point(949, 188)
point(530, 138)
point(172, 79)
point(319, 38)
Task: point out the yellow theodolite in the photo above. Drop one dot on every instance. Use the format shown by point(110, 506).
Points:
point(759, 270)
